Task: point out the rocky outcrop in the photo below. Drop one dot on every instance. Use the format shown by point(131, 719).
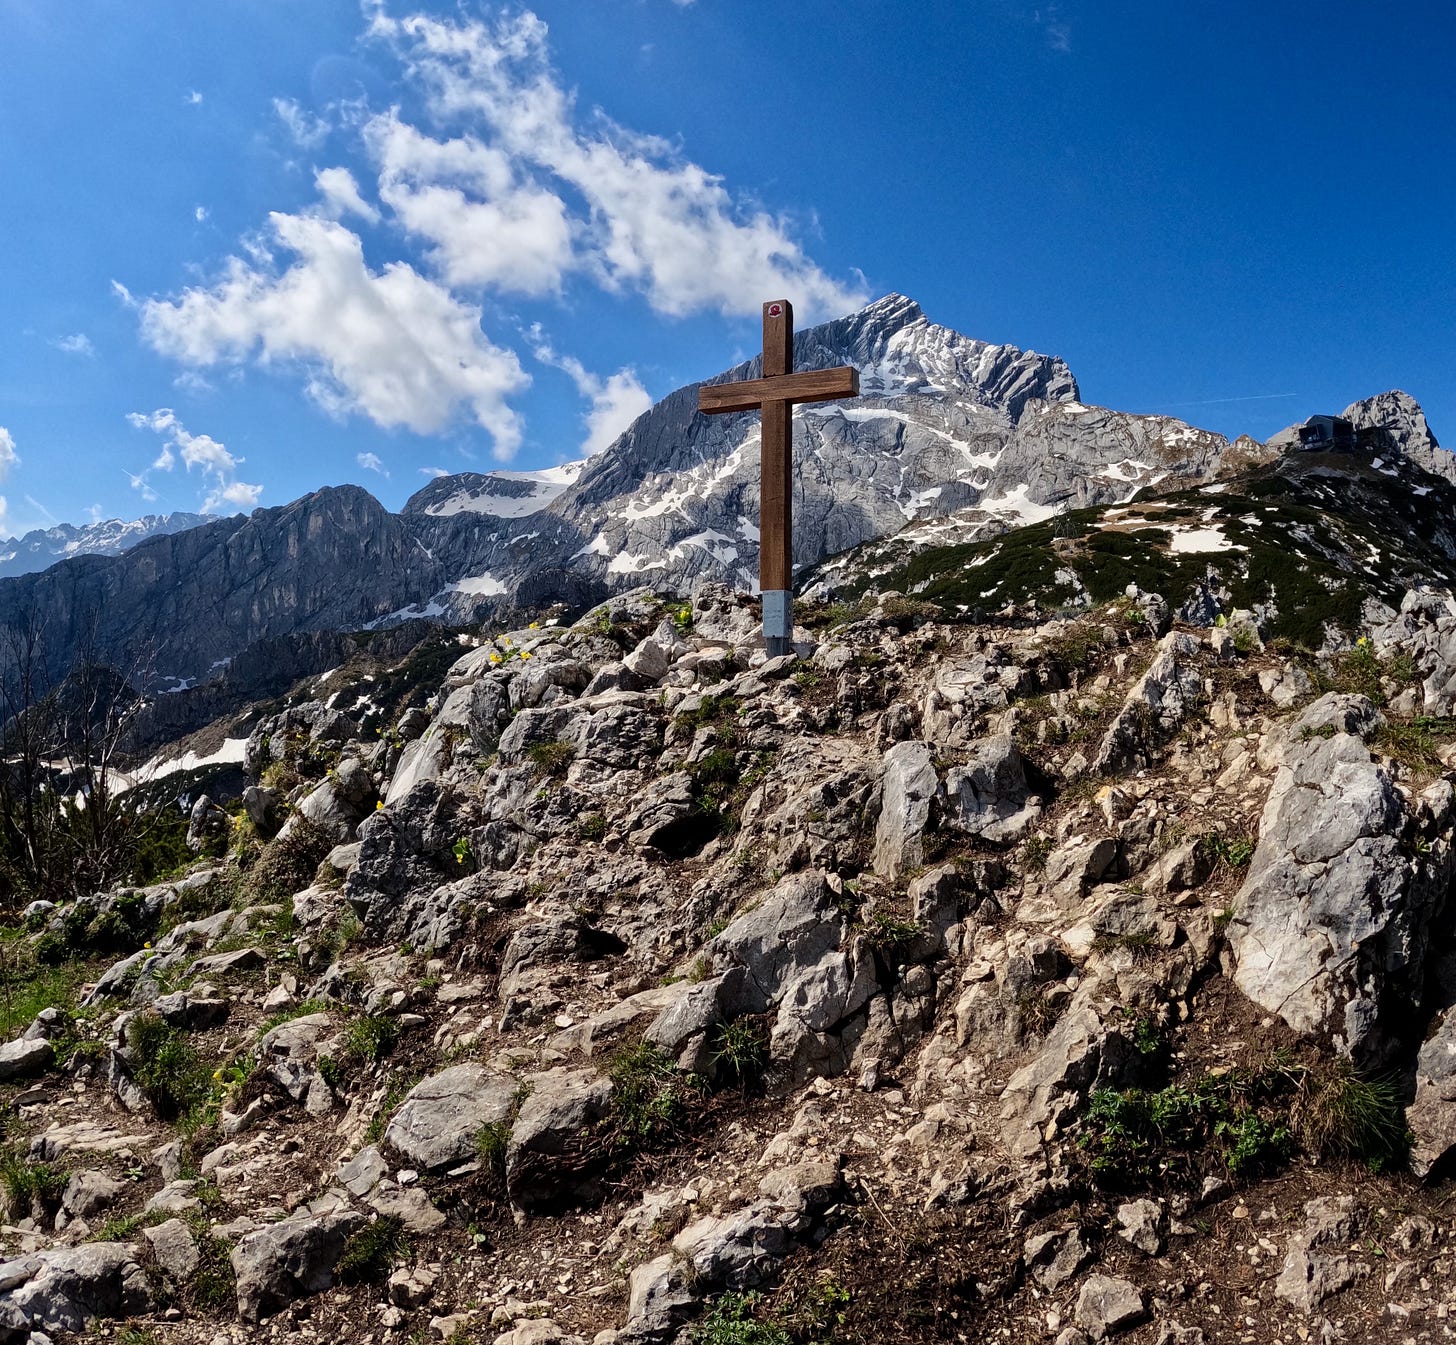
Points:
point(64, 1288)
point(439, 1123)
point(1332, 925)
point(288, 1260)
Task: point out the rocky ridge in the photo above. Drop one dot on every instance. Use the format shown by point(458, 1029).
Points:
point(946, 425)
point(1030, 978)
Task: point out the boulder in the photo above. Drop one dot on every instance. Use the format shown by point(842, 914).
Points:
point(437, 1125)
point(1107, 1306)
point(1154, 708)
point(1053, 1259)
point(1079, 1053)
point(1431, 1117)
point(25, 1057)
point(548, 1144)
point(1331, 926)
point(908, 787)
point(987, 796)
point(175, 1250)
point(288, 1260)
point(89, 1192)
point(63, 1288)
point(1317, 1263)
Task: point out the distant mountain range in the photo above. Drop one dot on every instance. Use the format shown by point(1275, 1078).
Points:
point(953, 440)
point(43, 547)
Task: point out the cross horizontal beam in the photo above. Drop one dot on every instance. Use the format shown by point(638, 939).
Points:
point(814, 385)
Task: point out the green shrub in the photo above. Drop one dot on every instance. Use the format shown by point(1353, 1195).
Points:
point(1237, 1119)
point(1339, 1113)
point(371, 1038)
point(491, 1143)
point(551, 758)
point(739, 1051)
point(650, 1096)
point(739, 1319)
point(371, 1253)
point(288, 863)
point(30, 1188)
point(592, 827)
point(890, 936)
point(214, 1285)
point(167, 1068)
point(1034, 853)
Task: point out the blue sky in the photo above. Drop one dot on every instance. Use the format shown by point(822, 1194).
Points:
point(253, 247)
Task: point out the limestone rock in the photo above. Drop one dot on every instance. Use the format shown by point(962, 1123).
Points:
point(908, 788)
point(436, 1126)
point(63, 1288)
point(174, 1249)
point(290, 1259)
point(1154, 707)
point(549, 1133)
point(987, 796)
point(1107, 1306)
point(24, 1058)
point(1331, 923)
point(1317, 1264)
point(89, 1192)
point(1057, 1257)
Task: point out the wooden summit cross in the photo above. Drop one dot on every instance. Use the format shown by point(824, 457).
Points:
point(776, 392)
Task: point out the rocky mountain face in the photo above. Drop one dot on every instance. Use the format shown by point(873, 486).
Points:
point(44, 547)
point(947, 427)
point(1037, 978)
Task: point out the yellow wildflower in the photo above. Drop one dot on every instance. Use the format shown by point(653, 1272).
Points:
point(535, 625)
point(378, 804)
point(525, 654)
point(146, 945)
point(495, 658)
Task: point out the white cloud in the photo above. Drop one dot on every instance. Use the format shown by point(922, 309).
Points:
point(341, 195)
point(4, 516)
point(616, 401)
point(95, 513)
point(216, 465)
point(193, 98)
point(307, 130)
point(371, 462)
point(486, 225)
point(200, 213)
point(78, 343)
point(1058, 31)
point(9, 458)
point(653, 221)
point(390, 345)
point(433, 472)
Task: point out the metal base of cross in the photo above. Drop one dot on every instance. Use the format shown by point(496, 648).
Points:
point(778, 622)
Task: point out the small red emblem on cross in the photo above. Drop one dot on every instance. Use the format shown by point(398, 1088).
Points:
point(775, 310)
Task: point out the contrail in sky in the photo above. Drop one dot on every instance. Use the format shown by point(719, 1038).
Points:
point(1222, 401)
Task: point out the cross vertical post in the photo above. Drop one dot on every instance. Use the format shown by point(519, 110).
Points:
point(776, 486)
point(775, 395)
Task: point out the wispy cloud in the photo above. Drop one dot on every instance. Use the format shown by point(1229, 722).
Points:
point(390, 345)
point(616, 401)
point(371, 462)
point(341, 195)
point(1054, 24)
point(193, 98)
point(308, 130)
point(78, 343)
point(217, 466)
point(9, 458)
point(628, 209)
